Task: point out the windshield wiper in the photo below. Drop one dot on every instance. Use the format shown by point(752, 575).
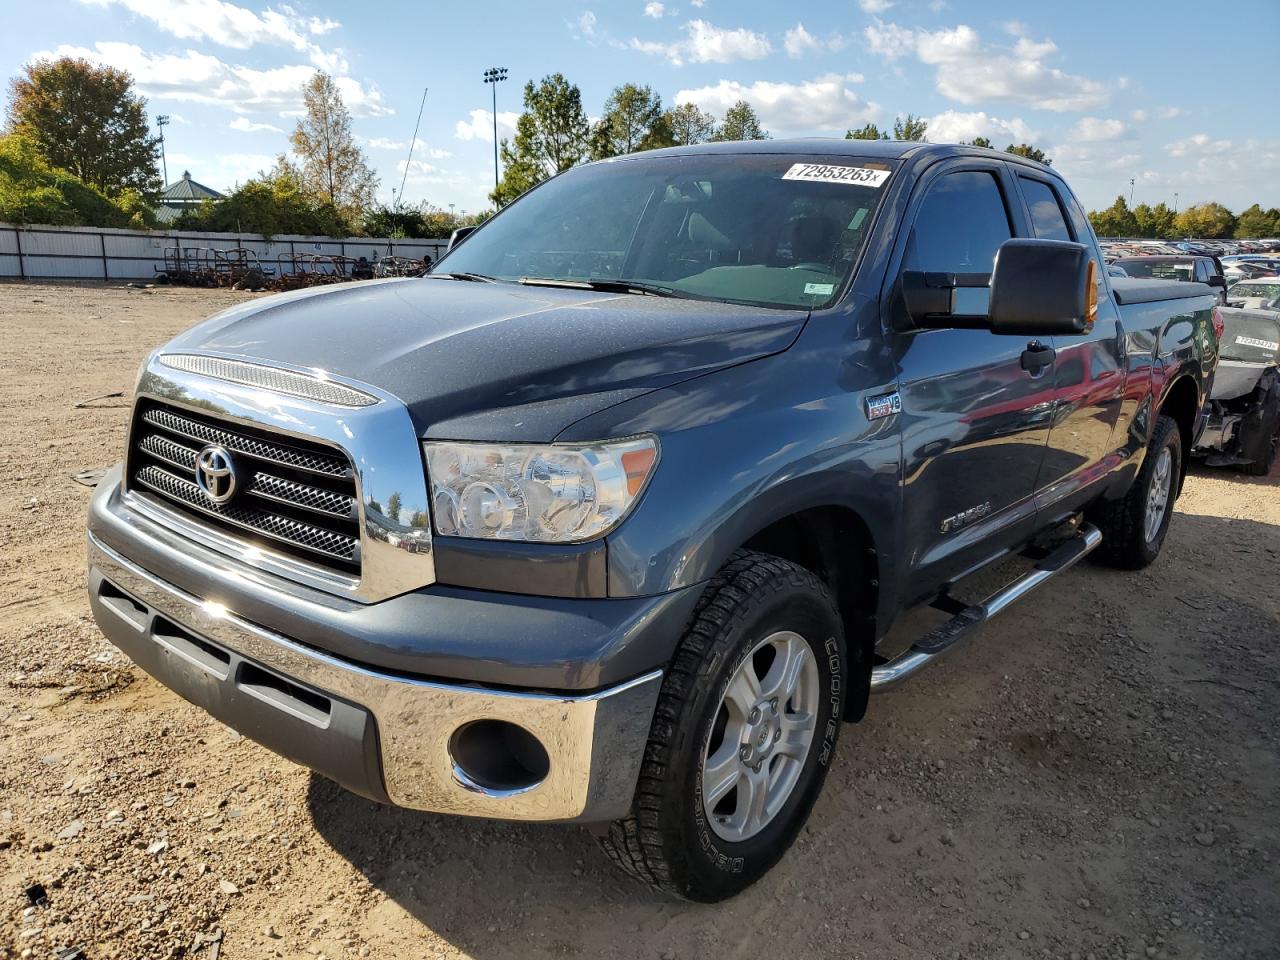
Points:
point(606, 285)
point(463, 275)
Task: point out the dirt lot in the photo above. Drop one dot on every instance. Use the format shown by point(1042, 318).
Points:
point(1096, 776)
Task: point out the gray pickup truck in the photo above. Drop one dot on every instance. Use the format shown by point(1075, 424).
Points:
point(605, 519)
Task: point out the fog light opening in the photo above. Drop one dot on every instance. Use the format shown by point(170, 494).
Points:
point(496, 757)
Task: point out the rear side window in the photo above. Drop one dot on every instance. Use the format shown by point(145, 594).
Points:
point(1202, 270)
point(1047, 218)
point(960, 226)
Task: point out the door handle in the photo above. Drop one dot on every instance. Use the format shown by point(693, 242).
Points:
point(1037, 357)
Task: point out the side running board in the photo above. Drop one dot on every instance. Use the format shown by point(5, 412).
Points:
point(943, 638)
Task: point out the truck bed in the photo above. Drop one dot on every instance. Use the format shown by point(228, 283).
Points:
point(1141, 290)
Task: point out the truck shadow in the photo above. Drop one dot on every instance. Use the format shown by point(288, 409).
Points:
point(958, 799)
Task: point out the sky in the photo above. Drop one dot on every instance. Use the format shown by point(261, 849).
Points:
point(1168, 94)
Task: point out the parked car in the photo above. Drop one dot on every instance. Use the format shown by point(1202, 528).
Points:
point(1186, 268)
point(1262, 293)
point(1246, 270)
point(605, 519)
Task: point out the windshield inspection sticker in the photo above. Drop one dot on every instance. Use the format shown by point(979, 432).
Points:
point(1242, 341)
point(827, 173)
point(819, 289)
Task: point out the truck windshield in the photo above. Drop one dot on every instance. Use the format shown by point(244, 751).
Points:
point(774, 230)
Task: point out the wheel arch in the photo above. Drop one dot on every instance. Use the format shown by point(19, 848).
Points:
point(835, 543)
point(1181, 402)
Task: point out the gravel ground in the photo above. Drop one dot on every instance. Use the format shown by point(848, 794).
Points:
point(1096, 776)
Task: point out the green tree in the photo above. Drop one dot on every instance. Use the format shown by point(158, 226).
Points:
point(1255, 222)
point(979, 142)
point(31, 191)
point(741, 123)
point(331, 163)
point(551, 136)
point(689, 124)
point(1115, 221)
point(271, 203)
point(393, 507)
point(910, 127)
point(633, 120)
point(1030, 152)
point(867, 132)
point(1208, 220)
point(86, 119)
point(1155, 222)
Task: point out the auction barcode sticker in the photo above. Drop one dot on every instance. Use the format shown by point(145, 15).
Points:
point(1255, 342)
point(829, 173)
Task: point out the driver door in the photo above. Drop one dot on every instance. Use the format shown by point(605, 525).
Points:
point(975, 420)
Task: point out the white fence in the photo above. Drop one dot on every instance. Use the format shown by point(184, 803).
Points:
point(36, 252)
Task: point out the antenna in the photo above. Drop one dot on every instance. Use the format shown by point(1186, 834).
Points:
point(413, 142)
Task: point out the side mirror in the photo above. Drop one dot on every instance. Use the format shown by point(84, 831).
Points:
point(1216, 280)
point(1038, 288)
point(1043, 288)
point(458, 236)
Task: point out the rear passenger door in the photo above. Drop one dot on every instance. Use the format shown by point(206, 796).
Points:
point(1088, 375)
point(974, 420)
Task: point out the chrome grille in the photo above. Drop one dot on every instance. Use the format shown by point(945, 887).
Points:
point(185, 426)
point(291, 495)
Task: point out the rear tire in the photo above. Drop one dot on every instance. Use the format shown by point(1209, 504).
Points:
point(1132, 533)
point(768, 619)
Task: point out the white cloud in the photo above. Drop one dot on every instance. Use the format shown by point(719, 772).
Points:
point(1092, 130)
point(1168, 113)
point(823, 105)
point(480, 126)
point(201, 78)
point(875, 6)
point(937, 6)
point(419, 147)
point(890, 40)
point(1138, 115)
point(654, 9)
point(1198, 144)
point(586, 23)
point(969, 71)
point(231, 25)
point(706, 43)
point(799, 41)
point(245, 125)
point(952, 126)
point(699, 3)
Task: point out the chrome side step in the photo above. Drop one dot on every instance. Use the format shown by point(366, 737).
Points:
point(943, 638)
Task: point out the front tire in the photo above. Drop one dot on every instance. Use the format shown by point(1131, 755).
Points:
point(742, 736)
point(1134, 527)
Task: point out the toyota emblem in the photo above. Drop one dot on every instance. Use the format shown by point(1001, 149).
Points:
point(216, 473)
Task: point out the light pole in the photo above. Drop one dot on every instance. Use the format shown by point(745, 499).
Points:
point(452, 220)
point(495, 76)
point(1131, 193)
point(1175, 203)
point(162, 121)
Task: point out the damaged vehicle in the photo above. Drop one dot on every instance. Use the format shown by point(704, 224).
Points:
point(1243, 424)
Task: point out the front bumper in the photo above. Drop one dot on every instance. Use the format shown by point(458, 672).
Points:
point(381, 735)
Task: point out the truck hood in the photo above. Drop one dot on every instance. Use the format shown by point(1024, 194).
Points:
point(495, 361)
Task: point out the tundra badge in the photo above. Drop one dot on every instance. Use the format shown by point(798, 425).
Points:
point(884, 405)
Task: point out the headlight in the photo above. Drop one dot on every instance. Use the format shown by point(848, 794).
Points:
point(561, 493)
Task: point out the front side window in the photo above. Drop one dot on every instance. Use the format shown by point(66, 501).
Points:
point(960, 226)
point(773, 229)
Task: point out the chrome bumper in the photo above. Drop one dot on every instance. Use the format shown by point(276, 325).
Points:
point(594, 742)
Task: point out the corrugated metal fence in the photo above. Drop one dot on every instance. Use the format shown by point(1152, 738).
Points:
point(36, 252)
